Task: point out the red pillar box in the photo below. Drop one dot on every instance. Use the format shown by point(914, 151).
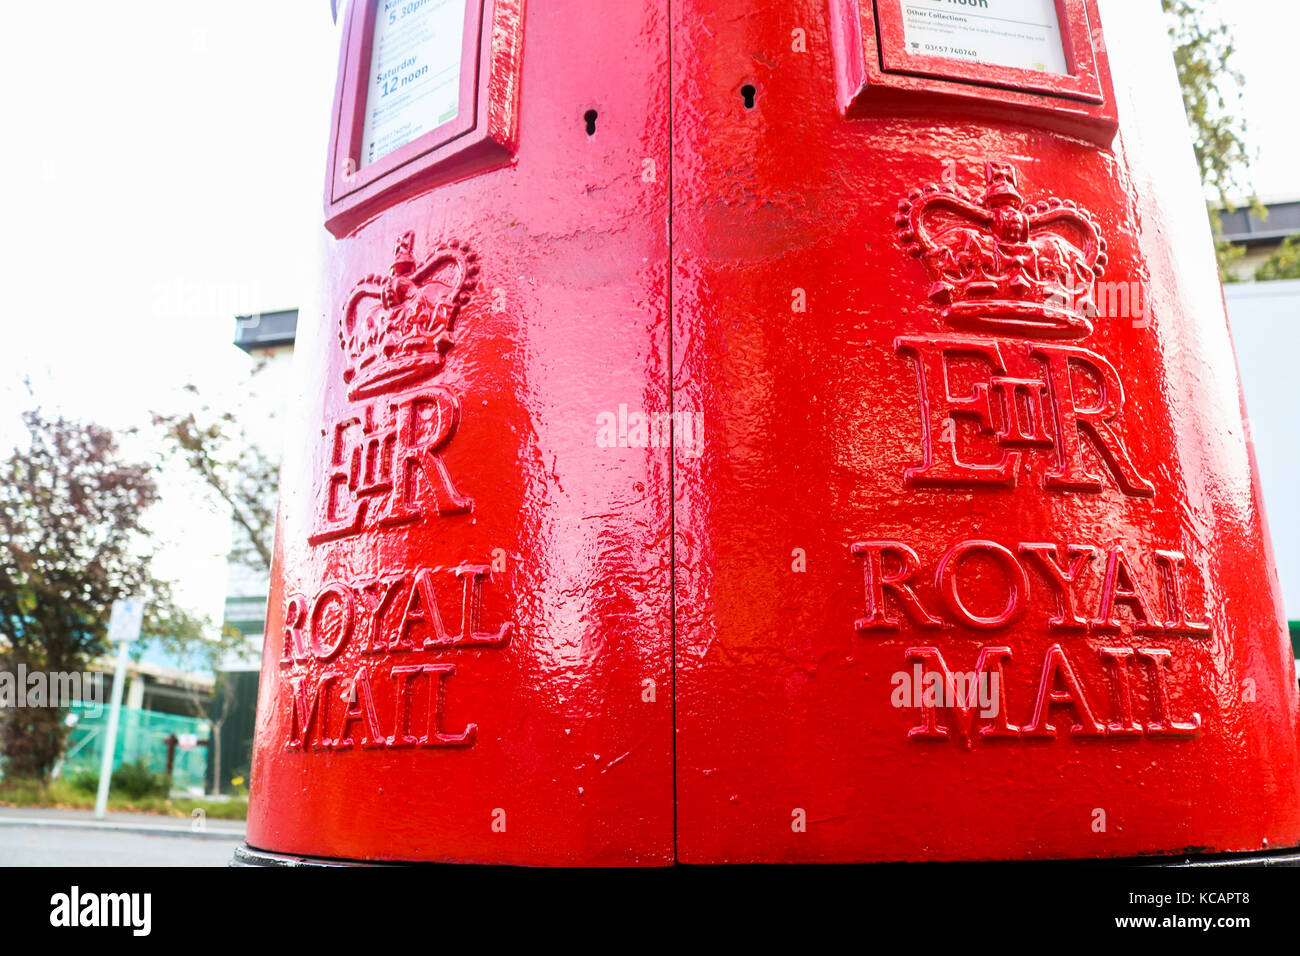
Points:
point(826, 449)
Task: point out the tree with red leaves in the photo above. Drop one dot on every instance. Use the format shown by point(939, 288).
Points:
point(71, 542)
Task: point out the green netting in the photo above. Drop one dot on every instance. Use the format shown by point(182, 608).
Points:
point(141, 735)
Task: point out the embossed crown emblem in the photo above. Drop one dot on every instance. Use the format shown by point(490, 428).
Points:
point(396, 329)
point(1002, 265)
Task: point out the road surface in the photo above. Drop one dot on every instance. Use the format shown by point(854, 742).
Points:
point(38, 837)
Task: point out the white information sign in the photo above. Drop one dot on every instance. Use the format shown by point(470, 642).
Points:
point(125, 620)
point(1025, 34)
point(414, 83)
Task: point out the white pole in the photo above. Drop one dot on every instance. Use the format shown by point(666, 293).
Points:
point(110, 741)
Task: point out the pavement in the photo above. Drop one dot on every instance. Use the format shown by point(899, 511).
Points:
point(32, 836)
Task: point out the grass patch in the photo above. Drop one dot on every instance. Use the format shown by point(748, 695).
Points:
point(65, 795)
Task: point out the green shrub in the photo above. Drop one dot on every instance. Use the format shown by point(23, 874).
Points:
point(87, 781)
point(137, 781)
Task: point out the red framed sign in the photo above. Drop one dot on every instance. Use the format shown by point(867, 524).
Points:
point(1044, 46)
point(427, 91)
point(1044, 57)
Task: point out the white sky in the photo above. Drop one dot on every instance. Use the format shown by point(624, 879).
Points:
point(162, 172)
point(1266, 33)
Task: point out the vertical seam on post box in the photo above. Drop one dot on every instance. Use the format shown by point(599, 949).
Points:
point(672, 434)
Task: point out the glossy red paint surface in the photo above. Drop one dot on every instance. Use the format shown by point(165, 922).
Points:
point(902, 458)
point(814, 419)
point(566, 318)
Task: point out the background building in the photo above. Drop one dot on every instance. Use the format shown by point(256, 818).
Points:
point(1259, 232)
point(267, 337)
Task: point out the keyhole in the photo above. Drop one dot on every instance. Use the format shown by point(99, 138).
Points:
point(590, 117)
point(748, 92)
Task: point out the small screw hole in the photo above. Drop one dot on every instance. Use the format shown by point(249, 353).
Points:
point(748, 92)
point(590, 117)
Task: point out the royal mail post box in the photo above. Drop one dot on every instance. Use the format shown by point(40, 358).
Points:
point(799, 432)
